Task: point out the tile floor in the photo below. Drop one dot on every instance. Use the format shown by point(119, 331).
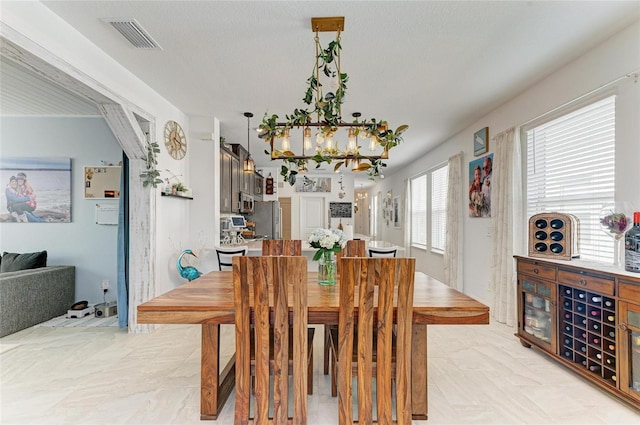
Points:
point(477, 375)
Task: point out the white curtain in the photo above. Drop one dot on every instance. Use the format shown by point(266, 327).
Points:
point(508, 224)
point(453, 241)
point(407, 218)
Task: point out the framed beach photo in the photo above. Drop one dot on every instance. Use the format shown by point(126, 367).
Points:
point(481, 141)
point(38, 190)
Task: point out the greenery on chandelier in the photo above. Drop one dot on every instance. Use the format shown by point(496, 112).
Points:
point(327, 108)
point(151, 176)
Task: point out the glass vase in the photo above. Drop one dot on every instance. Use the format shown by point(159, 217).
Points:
point(615, 219)
point(327, 268)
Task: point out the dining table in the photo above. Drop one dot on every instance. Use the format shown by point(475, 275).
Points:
point(208, 302)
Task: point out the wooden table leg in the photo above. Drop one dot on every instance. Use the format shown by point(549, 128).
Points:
point(214, 388)
point(419, 407)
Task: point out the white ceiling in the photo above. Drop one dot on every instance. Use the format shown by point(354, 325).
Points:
point(436, 66)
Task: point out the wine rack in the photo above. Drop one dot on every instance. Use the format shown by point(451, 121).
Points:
point(553, 235)
point(588, 337)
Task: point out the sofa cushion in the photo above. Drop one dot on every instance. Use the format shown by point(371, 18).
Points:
point(14, 262)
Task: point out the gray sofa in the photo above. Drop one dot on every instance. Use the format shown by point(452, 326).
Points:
point(29, 297)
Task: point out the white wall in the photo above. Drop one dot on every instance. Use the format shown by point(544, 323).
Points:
point(92, 248)
point(616, 57)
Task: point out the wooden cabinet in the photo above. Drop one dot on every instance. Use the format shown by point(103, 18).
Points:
point(629, 341)
point(586, 318)
point(229, 193)
point(258, 186)
point(537, 302)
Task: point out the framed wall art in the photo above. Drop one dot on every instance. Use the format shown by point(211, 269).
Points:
point(481, 141)
point(45, 182)
point(397, 212)
point(313, 184)
point(102, 182)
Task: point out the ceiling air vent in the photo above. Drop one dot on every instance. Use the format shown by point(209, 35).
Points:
point(133, 32)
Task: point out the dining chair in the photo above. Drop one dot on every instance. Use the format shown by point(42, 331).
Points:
point(353, 248)
point(267, 343)
point(370, 342)
point(383, 252)
point(282, 247)
point(226, 254)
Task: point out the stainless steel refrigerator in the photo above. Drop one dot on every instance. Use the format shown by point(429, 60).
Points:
point(267, 216)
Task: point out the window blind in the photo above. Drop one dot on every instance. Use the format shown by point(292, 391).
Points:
point(439, 189)
point(571, 168)
point(419, 210)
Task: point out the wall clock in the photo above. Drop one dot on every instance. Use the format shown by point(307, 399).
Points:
point(175, 140)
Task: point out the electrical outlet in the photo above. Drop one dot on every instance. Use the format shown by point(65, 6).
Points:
point(105, 285)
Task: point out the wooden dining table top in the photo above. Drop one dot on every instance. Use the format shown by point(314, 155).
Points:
point(209, 299)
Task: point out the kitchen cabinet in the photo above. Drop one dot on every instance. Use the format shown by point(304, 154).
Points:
point(229, 192)
point(585, 317)
point(258, 186)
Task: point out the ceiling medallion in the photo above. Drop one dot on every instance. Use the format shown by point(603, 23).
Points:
point(299, 139)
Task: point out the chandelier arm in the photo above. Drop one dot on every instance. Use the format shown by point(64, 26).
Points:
point(339, 94)
point(317, 39)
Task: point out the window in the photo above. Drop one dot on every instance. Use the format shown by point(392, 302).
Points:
point(432, 186)
point(570, 169)
point(419, 211)
point(439, 188)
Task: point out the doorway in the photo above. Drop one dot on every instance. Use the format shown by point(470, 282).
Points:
point(285, 205)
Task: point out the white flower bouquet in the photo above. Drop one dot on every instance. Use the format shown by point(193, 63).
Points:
point(327, 240)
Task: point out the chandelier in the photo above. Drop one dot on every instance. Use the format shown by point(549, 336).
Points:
point(299, 139)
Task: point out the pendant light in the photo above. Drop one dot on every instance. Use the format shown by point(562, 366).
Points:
point(249, 165)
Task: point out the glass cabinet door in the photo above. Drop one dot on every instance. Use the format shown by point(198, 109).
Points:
point(538, 312)
point(630, 349)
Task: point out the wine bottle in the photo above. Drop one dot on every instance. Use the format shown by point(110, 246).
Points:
point(567, 317)
point(611, 318)
point(599, 356)
point(608, 303)
point(594, 368)
point(567, 304)
point(595, 326)
point(584, 322)
point(581, 295)
point(567, 328)
point(584, 335)
point(580, 308)
point(596, 299)
point(567, 291)
point(612, 347)
point(567, 341)
point(610, 361)
point(632, 246)
point(567, 353)
point(583, 348)
point(596, 313)
point(613, 378)
point(612, 334)
point(596, 341)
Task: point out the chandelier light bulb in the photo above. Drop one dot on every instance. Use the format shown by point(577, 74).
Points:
point(373, 143)
point(307, 139)
point(330, 141)
point(286, 143)
point(319, 138)
point(352, 145)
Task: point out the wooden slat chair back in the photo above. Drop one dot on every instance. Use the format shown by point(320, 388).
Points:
point(268, 283)
point(282, 247)
point(354, 248)
point(359, 280)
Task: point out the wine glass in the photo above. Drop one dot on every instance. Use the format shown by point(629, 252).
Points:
point(615, 219)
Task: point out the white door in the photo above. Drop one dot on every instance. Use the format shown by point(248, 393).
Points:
point(312, 215)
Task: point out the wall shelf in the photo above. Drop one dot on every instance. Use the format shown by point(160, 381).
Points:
point(176, 196)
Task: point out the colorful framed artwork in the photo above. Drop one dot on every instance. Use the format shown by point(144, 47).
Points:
point(481, 141)
point(38, 190)
point(480, 175)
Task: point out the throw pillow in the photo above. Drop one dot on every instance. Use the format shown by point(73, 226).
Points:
point(14, 262)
